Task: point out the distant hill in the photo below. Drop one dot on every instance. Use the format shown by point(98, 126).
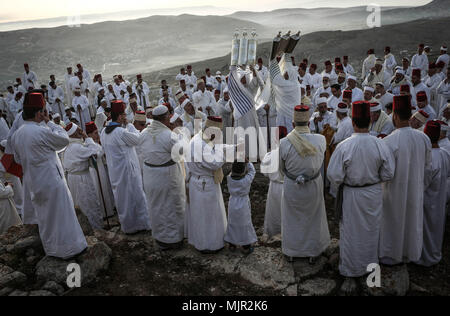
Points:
point(117, 47)
point(320, 19)
point(320, 46)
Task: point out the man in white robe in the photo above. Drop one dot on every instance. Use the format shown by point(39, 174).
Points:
point(401, 236)
point(56, 98)
point(368, 63)
point(142, 91)
point(203, 99)
point(8, 213)
point(319, 120)
point(382, 96)
point(68, 77)
point(315, 79)
point(432, 81)
point(422, 104)
point(29, 79)
point(206, 225)
point(380, 123)
point(358, 166)
point(81, 184)
point(16, 184)
point(81, 105)
point(444, 57)
point(190, 116)
point(335, 98)
point(435, 200)
point(15, 106)
point(164, 182)
point(47, 199)
point(389, 61)
point(420, 60)
point(304, 223)
point(348, 68)
point(357, 94)
point(124, 171)
point(330, 72)
point(344, 127)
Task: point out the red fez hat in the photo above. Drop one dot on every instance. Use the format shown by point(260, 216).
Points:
point(425, 114)
point(305, 60)
point(139, 76)
point(337, 60)
point(34, 100)
point(421, 45)
point(79, 66)
point(303, 66)
point(432, 66)
point(313, 66)
point(217, 92)
point(328, 63)
point(342, 105)
point(402, 103)
point(405, 88)
point(260, 60)
point(90, 127)
point(421, 96)
point(416, 72)
point(301, 108)
point(308, 87)
point(25, 65)
point(117, 107)
point(345, 57)
point(361, 110)
point(387, 48)
point(347, 94)
point(282, 132)
point(217, 119)
point(207, 70)
point(339, 66)
point(371, 51)
point(188, 67)
point(440, 64)
point(167, 105)
point(182, 81)
point(433, 130)
point(18, 79)
point(278, 59)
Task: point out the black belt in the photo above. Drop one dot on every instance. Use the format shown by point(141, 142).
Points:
point(302, 179)
point(167, 164)
point(340, 197)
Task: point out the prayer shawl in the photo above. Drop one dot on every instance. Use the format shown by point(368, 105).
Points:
point(218, 174)
point(240, 97)
point(286, 93)
point(380, 123)
point(303, 147)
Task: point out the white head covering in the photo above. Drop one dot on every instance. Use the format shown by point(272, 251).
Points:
point(322, 100)
point(56, 116)
point(185, 102)
point(325, 75)
point(367, 88)
point(350, 77)
point(72, 130)
point(160, 110)
point(100, 89)
point(400, 71)
point(376, 108)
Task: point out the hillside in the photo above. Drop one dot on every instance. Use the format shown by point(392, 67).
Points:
point(319, 46)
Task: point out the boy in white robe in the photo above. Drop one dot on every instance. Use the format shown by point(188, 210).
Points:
point(81, 185)
point(358, 166)
point(435, 199)
point(240, 230)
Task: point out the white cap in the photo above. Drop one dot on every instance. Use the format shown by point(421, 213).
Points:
point(100, 89)
point(367, 88)
point(160, 110)
point(380, 84)
point(325, 75)
point(322, 100)
point(56, 116)
point(444, 48)
point(218, 73)
point(376, 108)
point(400, 71)
point(73, 129)
point(350, 77)
point(174, 118)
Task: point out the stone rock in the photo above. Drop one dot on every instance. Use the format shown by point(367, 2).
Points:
point(349, 287)
point(267, 267)
point(333, 248)
point(318, 287)
point(94, 260)
point(16, 233)
point(292, 290)
point(418, 289)
point(15, 278)
point(304, 270)
point(18, 293)
point(333, 261)
point(22, 245)
point(2, 249)
point(4, 270)
point(41, 293)
point(6, 291)
point(53, 287)
point(84, 223)
point(394, 282)
point(30, 252)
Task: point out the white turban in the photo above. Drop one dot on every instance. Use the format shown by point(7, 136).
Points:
point(72, 130)
point(160, 110)
point(174, 118)
point(322, 100)
point(351, 78)
point(367, 88)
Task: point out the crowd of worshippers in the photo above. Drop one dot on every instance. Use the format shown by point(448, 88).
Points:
point(383, 153)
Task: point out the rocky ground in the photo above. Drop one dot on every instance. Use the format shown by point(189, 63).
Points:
point(117, 264)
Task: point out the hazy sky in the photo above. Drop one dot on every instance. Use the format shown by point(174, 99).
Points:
point(19, 10)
